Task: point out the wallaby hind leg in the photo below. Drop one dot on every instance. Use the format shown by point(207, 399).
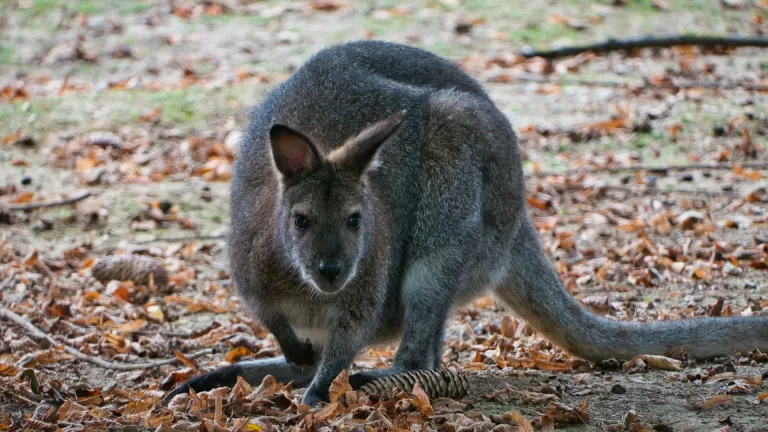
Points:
point(251, 371)
point(427, 301)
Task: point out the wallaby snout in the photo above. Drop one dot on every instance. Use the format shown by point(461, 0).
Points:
point(330, 269)
point(330, 276)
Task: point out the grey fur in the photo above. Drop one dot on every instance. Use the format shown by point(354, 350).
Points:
point(442, 203)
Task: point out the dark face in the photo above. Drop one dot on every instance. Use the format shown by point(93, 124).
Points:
point(325, 216)
point(326, 228)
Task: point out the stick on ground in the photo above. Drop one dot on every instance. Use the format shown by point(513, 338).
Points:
point(37, 333)
point(38, 205)
point(650, 42)
point(715, 85)
point(651, 168)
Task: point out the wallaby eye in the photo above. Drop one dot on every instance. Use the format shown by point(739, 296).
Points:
point(301, 222)
point(354, 221)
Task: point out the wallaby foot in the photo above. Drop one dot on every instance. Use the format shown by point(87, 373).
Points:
point(252, 372)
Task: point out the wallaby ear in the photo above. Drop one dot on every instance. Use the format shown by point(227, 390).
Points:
point(294, 154)
point(359, 151)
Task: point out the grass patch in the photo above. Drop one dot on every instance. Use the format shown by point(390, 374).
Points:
point(192, 107)
point(7, 54)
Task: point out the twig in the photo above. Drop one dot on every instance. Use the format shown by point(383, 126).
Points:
point(652, 168)
point(183, 335)
point(37, 205)
point(183, 238)
point(28, 326)
point(25, 400)
point(642, 191)
point(635, 85)
point(650, 42)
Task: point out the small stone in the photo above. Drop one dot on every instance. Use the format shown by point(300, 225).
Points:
point(463, 27)
point(618, 389)
point(25, 141)
point(42, 224)
point(719, 130)
point(206, 194)
point(731, 269)
point(650, 181)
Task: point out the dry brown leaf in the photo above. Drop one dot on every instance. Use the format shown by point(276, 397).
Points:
point(421, 400)
point(339, 386)
point(716, 401)
point(23, 198)
point(483, 302)
point(236, 353)
point(184, 360)
point(8, 370)
point(547, 423)
point(522, 423)
point(130, 326)
point(762, 397)
point(265, 390)
point(658, 362)
point(326, 5)
point(508, 327)
point(152, 115)
point(327, 412)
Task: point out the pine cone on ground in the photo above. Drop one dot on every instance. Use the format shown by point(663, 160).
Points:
point(133, 268)
point(435, 383)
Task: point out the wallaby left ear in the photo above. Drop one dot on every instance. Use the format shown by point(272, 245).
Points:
point(359, 151)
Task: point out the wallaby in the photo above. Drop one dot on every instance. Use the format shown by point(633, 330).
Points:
point(376, 189)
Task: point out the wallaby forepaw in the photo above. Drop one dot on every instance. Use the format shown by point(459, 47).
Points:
point(313, 398)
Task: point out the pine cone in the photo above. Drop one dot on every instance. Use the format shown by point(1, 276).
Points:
point(435, 383)
point(133, 268)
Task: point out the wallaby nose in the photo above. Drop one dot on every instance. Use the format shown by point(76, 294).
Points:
point(330, 269)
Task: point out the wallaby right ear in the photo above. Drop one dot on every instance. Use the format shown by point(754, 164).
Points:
point(293, 153)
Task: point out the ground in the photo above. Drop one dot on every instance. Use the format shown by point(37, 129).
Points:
point(140, 103)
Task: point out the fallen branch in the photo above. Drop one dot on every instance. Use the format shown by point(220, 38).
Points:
point(650, 42)
point(645, 84)
point(37, 333)
point(38, 205)
point(638, 190)
point(663, 169)
point(183, 238)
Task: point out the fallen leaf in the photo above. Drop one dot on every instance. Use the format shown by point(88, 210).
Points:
point(547, 423)
point(265, 390)
point(236, 353)
point(421, 400)
point(522, 423)
point(716, 401)
point(659, 362)
point(339, 386)
point(8, 370)
point(184, 360)
point(508, 327)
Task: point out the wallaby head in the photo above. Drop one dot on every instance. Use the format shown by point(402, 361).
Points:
point(325, 217)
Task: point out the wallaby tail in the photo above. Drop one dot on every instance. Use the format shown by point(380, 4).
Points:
point(252, 371)
point(535, 292)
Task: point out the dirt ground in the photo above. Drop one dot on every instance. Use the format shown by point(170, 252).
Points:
point(140, 103)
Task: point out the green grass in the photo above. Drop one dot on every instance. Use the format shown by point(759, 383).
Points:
point(191, 107)
point(7, 54)
point(87, 7)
